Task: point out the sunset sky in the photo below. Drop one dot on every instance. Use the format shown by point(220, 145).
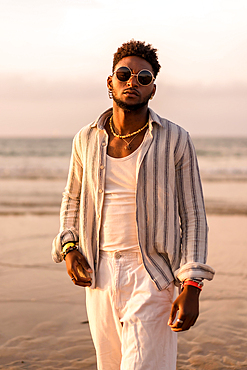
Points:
point(57, 54)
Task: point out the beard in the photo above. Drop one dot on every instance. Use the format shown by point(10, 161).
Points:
point(130, 107)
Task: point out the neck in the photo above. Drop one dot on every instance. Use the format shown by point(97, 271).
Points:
point(126, 122)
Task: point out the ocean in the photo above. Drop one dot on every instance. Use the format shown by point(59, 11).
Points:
point(48, 158)
point(33, 174)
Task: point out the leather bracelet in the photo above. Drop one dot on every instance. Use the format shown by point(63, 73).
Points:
point(193, 283)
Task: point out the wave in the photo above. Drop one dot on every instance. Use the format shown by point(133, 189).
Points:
point(34, 147)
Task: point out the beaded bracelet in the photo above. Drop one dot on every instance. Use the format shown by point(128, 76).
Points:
point(67, 245)
point(68, 250)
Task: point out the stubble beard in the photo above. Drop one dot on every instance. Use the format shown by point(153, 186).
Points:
point(130, 107)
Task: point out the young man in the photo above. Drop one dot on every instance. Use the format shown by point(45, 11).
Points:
point(133, 222)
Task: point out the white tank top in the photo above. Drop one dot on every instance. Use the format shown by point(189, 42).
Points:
point(118, 228)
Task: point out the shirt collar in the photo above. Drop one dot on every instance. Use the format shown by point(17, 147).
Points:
point(101, 120)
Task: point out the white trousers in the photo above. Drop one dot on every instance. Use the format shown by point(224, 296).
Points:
point(128, 316)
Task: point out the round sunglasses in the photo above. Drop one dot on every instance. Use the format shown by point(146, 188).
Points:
point(144, 77)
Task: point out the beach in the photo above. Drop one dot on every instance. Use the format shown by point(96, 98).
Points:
point(43, 316)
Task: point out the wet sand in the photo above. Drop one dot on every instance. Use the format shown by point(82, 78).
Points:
point(43, 318)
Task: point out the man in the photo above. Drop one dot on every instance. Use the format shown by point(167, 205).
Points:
point(133, 222)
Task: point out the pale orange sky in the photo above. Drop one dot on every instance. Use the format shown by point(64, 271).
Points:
point(56, 55)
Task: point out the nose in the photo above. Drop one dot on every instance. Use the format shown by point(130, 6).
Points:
point(132, 81)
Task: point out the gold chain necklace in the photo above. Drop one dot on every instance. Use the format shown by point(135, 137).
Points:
point(127, 135)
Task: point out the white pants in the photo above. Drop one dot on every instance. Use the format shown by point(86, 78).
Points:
point(128, 316)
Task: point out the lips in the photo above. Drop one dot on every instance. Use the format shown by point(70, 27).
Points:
point(131, 92)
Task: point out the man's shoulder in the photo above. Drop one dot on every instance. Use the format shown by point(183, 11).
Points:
point(174, 136)
point(86, 129)
point(86, 132)
point(164, 123)
point(95, 125)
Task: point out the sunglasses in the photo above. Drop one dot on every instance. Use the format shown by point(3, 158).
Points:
point(144, 77)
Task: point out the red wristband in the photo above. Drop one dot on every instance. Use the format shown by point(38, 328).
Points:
point(193, 283)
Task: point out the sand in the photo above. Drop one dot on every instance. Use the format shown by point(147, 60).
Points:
point(219, 340)
point(43, 317)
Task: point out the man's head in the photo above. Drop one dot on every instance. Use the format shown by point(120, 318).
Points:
point(138, 49)
point(135, 67)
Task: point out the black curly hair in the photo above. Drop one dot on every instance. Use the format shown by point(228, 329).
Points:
point(138, 49)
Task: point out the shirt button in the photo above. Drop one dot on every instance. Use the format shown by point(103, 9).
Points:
point(99, 215)
point(102, 167)
point(103, 144)
point(100, 191)
point(117, 255)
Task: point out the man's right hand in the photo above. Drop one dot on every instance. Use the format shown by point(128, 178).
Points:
point(78, 268)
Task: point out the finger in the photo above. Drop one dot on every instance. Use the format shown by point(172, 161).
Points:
point(82, 272)
point(70, 275)
point(176, 329)
point(84, 264)
point(182, 324)
point(80, 277)
point(191, 322)
point(82, 283)
point(173, 313)
point(179, 323)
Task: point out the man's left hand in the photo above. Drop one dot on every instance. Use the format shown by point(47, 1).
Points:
point(187, 303)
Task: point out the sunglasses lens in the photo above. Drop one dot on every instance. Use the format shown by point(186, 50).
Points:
point(123, 74)
point(145, 77)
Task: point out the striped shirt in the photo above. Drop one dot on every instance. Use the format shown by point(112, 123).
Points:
point(170, 213)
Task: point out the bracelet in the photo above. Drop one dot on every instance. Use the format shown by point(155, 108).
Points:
point(67, 245)
point(196, 284)
point(197, 280)
point(68, 250)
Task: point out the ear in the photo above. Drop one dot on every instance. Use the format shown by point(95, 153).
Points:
point(154, 91)
point(109, 82)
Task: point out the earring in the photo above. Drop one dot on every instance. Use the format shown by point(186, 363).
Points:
point(151, 97)
point(110, 93)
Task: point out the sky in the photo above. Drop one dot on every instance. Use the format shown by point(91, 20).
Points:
point(56, 56)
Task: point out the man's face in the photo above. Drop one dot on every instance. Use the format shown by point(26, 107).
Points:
point(130, 95)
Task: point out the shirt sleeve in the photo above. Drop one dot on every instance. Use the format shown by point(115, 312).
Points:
point(70, 207)
point(194, 228)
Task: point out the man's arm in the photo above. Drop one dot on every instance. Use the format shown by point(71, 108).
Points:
point(69, 222)
point(194, 231)
point(70, 207)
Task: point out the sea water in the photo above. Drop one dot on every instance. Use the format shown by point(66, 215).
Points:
point(33, 174)
point(48, 158)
